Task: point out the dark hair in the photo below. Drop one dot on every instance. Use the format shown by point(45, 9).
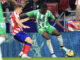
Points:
point(44, 6)
point(18, 6)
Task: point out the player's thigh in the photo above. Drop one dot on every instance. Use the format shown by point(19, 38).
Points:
point(41, 30)
point(56, 32)
point(22, 37)
point(45, 35)
point(50, 29)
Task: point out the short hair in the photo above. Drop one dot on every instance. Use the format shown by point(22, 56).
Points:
point(44, 6)
point(18, 6)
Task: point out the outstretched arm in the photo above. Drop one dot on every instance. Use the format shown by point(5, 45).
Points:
point(57, 22)
point(24, 20)
point(23, 15)
point(30, 14)
point(20, 23)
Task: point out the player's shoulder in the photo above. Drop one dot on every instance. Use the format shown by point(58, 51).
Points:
point(33, 11)
point(48, 11)
point(36, 10)
point(12, 14)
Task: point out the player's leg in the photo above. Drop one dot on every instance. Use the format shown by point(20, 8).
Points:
point(2, 36)
point(23, 37)
point(21, 53)
point(0, 54)
point(52, 30)
point(26, 47)
point(57, 33)
point(2, 39)
point(2, 29)
point(48, 42)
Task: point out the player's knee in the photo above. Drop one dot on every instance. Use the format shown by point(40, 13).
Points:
point(45, 35)
point(58, 34)
point(28, 40)
point(47, 38)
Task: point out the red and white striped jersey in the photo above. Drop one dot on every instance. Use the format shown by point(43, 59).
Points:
point(16, 28)
point(77, 2)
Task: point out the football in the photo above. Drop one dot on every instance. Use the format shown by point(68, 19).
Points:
point(70, 53)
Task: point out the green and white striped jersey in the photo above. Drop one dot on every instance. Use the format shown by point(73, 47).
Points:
point(41, 19)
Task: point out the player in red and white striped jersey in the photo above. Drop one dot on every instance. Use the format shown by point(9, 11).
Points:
point(16, 28)
point(18, 33)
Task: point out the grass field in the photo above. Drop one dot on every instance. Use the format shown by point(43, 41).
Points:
point(45, 58)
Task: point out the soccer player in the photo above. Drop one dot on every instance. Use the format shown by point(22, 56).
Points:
point(77, 10)
point(44, 28)
point(2, 29)
point(18, 33)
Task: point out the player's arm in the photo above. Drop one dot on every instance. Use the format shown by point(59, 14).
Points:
point(23, 15)
point(24, 20)
point(20, 23)
point(57, 22)
point(28, 14)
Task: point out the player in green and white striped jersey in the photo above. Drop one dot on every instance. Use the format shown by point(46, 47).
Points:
point(44, 28)
point(2, 29)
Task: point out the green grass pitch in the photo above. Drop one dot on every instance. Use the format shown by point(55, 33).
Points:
point(45, 58)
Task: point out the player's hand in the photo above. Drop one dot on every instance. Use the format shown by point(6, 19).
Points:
point(66, 29)
point(32, 18)
point(27, 18)
point(26, 27)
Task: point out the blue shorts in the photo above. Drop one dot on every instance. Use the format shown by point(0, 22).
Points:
point(21, 36)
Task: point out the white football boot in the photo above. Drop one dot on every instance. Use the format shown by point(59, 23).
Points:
point(20, 54)
point(54, 55)
point(25, 56)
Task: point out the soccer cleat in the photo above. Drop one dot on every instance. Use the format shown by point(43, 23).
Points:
point(54, 55)
point(25, 56)
point(65, 49)
point(20, 54)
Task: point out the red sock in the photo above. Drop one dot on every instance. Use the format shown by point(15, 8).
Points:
point(23, 48)
point(26, 49)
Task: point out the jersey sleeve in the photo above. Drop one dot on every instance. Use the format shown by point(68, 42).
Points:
point(31, 13)
point(51, 16)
